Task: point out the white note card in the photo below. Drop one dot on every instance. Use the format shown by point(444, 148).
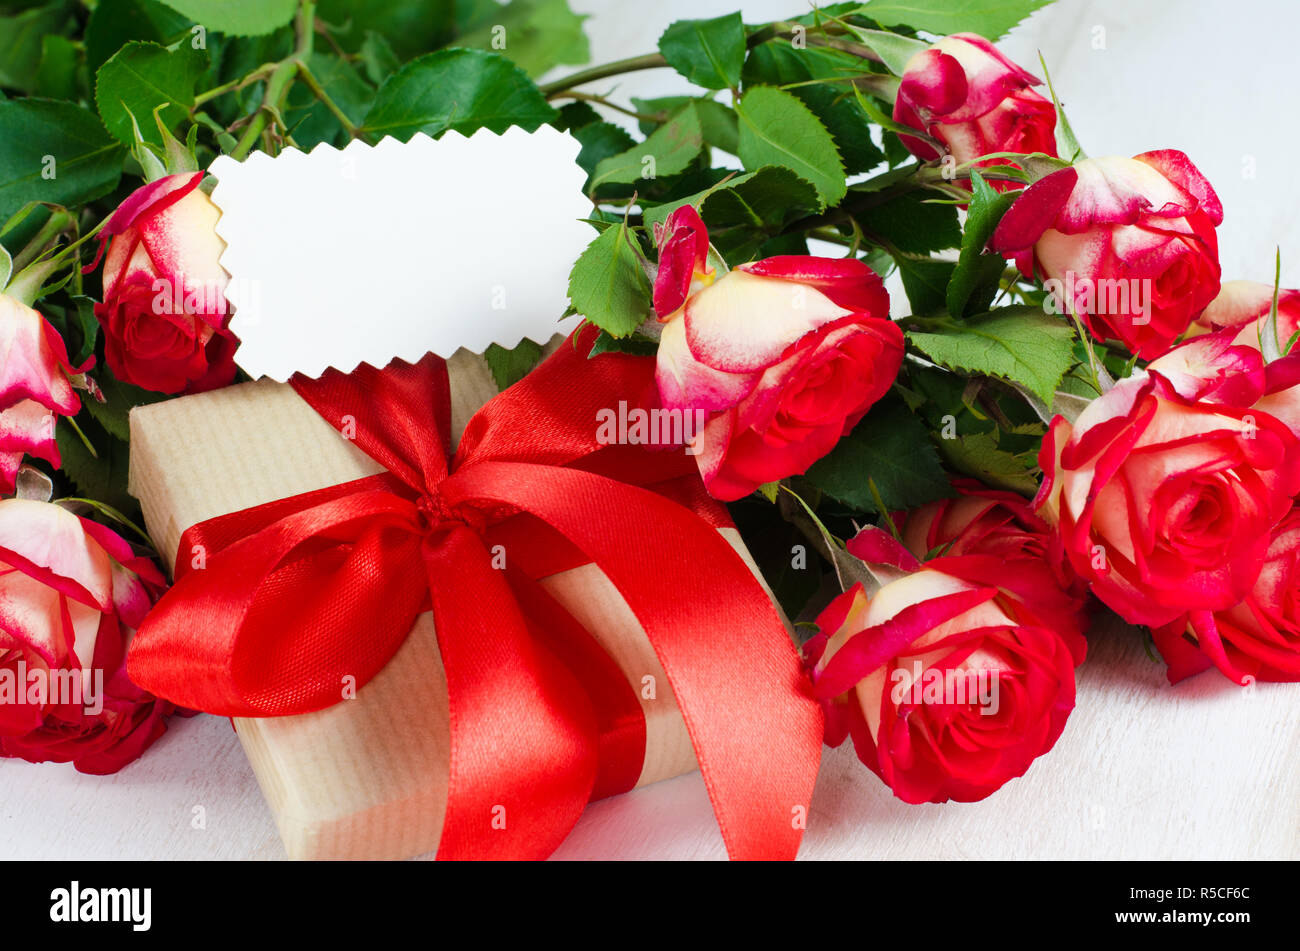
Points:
point(371, 253)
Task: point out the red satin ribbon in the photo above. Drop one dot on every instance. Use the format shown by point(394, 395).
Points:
point(298, 593)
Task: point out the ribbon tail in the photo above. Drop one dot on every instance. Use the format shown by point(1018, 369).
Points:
point(620, 721)
point(735, 673)
point(523, 735)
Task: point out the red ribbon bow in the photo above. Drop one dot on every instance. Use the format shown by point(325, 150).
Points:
point(298, 593)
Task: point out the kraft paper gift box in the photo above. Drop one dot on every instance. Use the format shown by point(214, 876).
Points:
point(366, 778)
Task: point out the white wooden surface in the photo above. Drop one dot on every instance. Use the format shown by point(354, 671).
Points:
point(1143, 770)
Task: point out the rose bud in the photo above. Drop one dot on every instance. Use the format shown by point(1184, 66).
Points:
point(73, 593)
point(983, 521)
point(949, 682)
point(1165, 490)
point(1258, 639)
point(164, 312)
point(34, 386)
point(1128, 245)
point(963, 92)
point(783, 356)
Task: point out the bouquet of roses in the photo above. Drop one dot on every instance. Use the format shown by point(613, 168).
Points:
point(1064, 404)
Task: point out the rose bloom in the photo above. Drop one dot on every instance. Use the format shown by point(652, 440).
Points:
point(71, 594)
point(889, 669)
point(34, 386)
point(1258, 639)
point(1129, 245)
point(1244, 306)
point(1166, 489)
point(164, 312)
point(983, 521)
point(968, 96)
point(784, 355)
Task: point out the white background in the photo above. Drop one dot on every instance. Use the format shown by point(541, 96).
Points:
point(1203, 770)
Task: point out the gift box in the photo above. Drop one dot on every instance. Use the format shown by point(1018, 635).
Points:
point(367, 776)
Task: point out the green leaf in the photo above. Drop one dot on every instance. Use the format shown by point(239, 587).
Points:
point(978, 455)
point(600, 140)
point(411, 27)
point(718, 123)
point(20, 42)
point(56, 77)
point(896, 51)
point(777, 129)
point(6, 267)
point(1020, 344)
point(458, 89)
point(311, 122)
point(670, 149)
point(537, 34)
point(101, 478)
point(988, 18)
point(975, 281)
point(709, 53)
point(765, 199)
point(912, 224)
point(925, 280)
point(377, 58)
point(816, 75)
point(608, 285)
point(114, 23)
point(54, 152)
point(890, 448)
point(138, 79)
point(510, 366)
point(119, 398)
point(237, 17)
point(636, 344)
point(77, 325)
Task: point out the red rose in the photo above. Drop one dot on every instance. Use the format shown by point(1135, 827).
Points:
point(784, 356)
point(164, 312)
point(963, 92)
point(71, 594)
point(1258, 639)
point(1166, 489)
point(34, 387)
point(984, 521)
point(951, 679)
point(1126, 244)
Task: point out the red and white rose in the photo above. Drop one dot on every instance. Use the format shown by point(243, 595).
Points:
point(164, 312)
point(1166, 489)
point(965, 94)
point(953, 677)
point(1257, 639)
point(784, 355)
point(1128, 245)
point(35, 387)
point(71, 594)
